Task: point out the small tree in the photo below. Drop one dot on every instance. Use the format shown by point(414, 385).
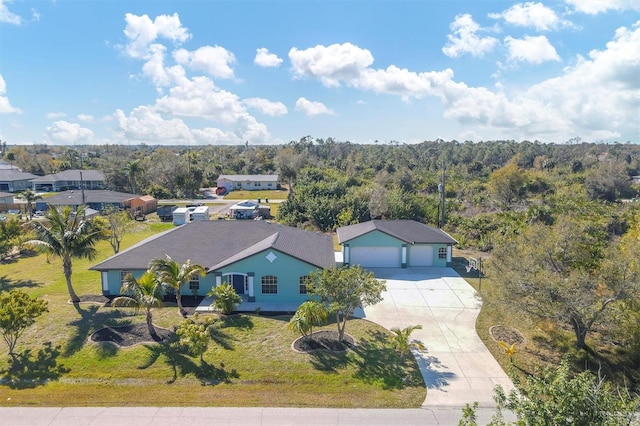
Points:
point(30, 197)
point(309, 313)
point(554, 396)
point(18, 311)
point(195, 336)
point(342, 290)
point(400, 342)
point(142, 293)
point(226, 298)
point(118, 223)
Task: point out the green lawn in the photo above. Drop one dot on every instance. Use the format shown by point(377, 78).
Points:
point(254, 195)
point(249, 364)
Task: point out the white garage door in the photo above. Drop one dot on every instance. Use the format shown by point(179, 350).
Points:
point(421, 256)
point(376, 257)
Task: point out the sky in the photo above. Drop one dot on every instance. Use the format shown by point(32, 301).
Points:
point(201, 72)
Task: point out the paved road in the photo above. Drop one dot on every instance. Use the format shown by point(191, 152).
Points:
point(195, 416)
point(457, 367)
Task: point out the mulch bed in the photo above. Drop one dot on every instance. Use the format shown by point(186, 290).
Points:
point(507, 334)
point(323, 340)
point(130, 335)
point(94, 298)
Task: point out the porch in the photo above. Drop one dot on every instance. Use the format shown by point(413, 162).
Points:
point(246, 306)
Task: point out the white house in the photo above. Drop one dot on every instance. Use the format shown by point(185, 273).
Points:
point(248, 182)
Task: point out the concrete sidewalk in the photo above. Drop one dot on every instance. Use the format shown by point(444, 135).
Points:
point(195, 416)
point(457, 367)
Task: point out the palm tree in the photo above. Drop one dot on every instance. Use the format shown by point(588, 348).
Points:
point(173, 275)
point(30, 197)
point(133, 169)
point(68, 234)
point(309, 313)
point(400, 340)
point(142, 293)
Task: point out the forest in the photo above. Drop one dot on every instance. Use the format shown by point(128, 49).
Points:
point(558, 224)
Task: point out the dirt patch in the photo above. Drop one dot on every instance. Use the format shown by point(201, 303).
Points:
point(507, 334)
point(130, 335)
point(323, 340)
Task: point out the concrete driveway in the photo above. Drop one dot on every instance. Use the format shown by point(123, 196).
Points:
point(456, 365)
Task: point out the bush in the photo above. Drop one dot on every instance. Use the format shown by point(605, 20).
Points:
point(226, 298)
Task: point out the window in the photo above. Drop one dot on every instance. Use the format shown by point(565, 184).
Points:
point(194, 283)
point(303, 284)
point(123, 277)
point(269, 284)
point(442, 253)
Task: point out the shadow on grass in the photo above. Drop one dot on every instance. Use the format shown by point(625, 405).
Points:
point(7, 284)
point(329, 362)
point(91, 320)
point(28, 370)
point(378, 363)
point(183, 365)
point(221, 338)
point(236, 320)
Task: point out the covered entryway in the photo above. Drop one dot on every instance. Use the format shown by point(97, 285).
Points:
point(421, 255)
point(375, 257)
point(238, 281)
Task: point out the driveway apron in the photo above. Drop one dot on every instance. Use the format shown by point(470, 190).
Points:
point(456, 366)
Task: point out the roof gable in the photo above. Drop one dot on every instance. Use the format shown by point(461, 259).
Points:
point(408, 231)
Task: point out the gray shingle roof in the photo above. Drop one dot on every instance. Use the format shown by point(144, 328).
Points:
point(254, 178)
point(71, 175)
point(73, 198)
point(215, 244)
point(12, 175)
point(409, 231)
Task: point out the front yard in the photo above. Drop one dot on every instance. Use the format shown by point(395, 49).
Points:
point(250, 363)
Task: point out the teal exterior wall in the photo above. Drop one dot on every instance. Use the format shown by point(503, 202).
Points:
point(287, 269)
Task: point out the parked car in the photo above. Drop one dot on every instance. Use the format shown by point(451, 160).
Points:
point(221, 190)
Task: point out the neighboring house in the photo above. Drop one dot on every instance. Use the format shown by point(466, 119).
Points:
point(6, 198)
point(69, 179)
point(635, 179)
point(96, 199)
point(248, 182)
point(13, 180)
point(8, 166)
point(264, 262)
point(143, 203)
point(395, 244)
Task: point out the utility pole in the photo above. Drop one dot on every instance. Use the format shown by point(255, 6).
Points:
point(442, 195)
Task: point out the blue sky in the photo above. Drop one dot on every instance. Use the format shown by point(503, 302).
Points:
point(268, 72)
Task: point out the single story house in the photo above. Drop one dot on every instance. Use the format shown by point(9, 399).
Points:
point(248, 182)
point(69, 179)
point(264, 262)
point(8, 166)
point(395, 244)
point(6, 198)
point(96, 199)
point(13, 180)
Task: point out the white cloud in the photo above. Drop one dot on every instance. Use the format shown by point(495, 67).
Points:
point(312, 108)
point(8, 17)
point(530, 14)
point(141, 32)
point(465, 39)
point(330, 64)
point(5, 105)
point(266, 106)
point(148, 126)
point(66, 133)
point(266, 59)
point(534, 50)
point(560, 108)
point(214, 60)
point(594, 7)
point(87, 118)
point(55, 115)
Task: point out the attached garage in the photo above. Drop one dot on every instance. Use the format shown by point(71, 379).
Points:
point(395, 244)
point(421, 255)
point(375, 257)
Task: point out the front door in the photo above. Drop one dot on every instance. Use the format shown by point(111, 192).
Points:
point(238, 283)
